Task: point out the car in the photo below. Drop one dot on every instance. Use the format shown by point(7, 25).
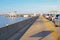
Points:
point(57, 20)
point(48, 16)
point(53, 16)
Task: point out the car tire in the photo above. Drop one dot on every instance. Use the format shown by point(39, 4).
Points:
point(56, 25)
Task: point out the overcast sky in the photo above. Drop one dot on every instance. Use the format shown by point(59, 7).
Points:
point(25, 6)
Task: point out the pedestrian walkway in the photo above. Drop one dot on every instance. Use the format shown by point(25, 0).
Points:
point(42, 29)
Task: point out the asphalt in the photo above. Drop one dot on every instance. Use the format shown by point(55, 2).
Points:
point(42, 29)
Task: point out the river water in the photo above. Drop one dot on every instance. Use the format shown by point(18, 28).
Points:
point(5, 21)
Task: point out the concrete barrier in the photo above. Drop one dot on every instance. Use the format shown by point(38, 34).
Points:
point(8, 31)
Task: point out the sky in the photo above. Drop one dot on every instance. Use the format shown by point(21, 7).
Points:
point(29, 6)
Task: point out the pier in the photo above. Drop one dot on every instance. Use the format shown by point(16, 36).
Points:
point(34, 28)
point(42, 29)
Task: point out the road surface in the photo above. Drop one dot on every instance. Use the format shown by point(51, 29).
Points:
point(42, 29)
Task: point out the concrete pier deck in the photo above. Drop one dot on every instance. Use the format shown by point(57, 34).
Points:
point(42, 29)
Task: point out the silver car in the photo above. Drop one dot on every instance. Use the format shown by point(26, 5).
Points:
point(57, 21)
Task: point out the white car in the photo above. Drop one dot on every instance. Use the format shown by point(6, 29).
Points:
point(47, 16)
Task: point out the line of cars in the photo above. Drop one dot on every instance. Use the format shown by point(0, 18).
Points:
point(55, 18)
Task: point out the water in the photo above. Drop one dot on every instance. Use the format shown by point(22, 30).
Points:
point(5, 21)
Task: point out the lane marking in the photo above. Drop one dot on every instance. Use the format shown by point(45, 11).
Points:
point(48, 24)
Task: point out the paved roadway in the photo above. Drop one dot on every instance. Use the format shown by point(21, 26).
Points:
point(42, 29)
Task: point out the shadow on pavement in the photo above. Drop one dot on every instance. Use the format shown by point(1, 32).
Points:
point(42, 34)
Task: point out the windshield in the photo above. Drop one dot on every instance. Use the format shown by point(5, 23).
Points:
point(59, 17)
